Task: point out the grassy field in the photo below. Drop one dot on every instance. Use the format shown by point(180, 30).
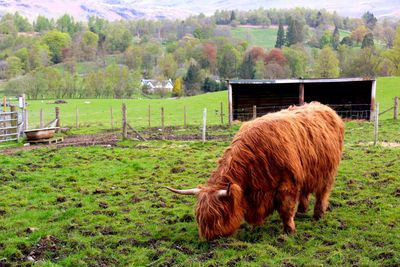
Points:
point(265, 38)
point(94, 114)
point(98, 206)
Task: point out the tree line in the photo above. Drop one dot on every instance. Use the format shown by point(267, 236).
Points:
point(66, 58)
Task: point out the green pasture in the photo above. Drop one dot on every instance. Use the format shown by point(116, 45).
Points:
point(98, 206)
point(95, 114)
point(262, 37)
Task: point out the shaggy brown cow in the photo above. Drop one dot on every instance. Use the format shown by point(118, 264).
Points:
point(273, 163)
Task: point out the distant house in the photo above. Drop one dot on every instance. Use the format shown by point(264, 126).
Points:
point(157, 86)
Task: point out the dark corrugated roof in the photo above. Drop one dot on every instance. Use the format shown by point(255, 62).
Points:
point(255, 81)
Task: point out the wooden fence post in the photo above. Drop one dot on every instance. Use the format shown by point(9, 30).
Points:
point(222, 114)
point(396, 108)
point(184, 116)
point(58, 123)
point(124, 126)
point(149, 116)
point(14, 118)
point(4, 104)
point(112, 118)
point(41, 125)
point(162, 121)
point(254, 112)
point(204, 125)
point(77, 117)
point(376, 124)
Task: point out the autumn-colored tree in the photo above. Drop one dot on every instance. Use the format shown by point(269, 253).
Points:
point(257, 53)
point(358, 33)
point(210, 55)
point(177, 90)
point(275, 55)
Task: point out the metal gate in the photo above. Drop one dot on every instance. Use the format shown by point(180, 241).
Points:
point(9, 126)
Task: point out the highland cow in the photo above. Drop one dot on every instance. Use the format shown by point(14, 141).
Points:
point(274, 163)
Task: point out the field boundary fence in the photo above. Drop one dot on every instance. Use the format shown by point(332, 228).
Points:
point(160, 122)
point(11, 119)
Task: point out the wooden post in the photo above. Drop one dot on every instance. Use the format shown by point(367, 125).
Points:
point(396, 108)
point(254, 112)
point(4, 104)
point(112, 118)
point(301, 94)
point(77, 117)
point(14, 118)
point(124, 122)
point(58, 123)
point(41, 123)
point(184, 116)
point(26, 120)
point(149, 116)
point(162, 121)
point(222, 114)
point(376, 124)
point(204, 125)
point(230, 105)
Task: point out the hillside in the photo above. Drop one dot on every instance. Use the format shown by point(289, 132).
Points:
point(162, 9)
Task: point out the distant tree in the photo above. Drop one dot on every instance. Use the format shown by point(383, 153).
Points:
point(366, 62)
point(297, 61)
point(210, 85)
point(210, 56)
point(275, 55)
point(247, 70)
point(325, 40)
point(193, 79)
point(388, 36)
point(14, 66)
point(358, 33)
point(393, 54)
point(118, 38)
point(23, 55)
point(273, 70)
point(369, 20)
point(56, 41)
point(177, 89)
point(22, 23)
point(168, 66)
point(280, 38)
point(327, 65)
point(335, 40)
point(259, 69)
point(228, 64)
point(233, 15)
point(346, 41)
point(295, 32)
point(368, 40)
point(42, 24)
point(133, 57)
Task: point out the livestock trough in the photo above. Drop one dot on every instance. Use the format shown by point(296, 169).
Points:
point(38, 134)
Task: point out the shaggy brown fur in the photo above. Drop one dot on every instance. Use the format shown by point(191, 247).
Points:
point(273, 163)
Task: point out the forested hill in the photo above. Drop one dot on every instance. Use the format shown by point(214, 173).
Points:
point(172, 9)
point(66, 58)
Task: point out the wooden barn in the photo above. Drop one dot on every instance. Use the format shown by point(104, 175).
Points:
point(352, 98)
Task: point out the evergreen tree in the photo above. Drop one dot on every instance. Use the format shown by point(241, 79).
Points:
point(294, 32)
point(280, 38)
point(368, 41)
point(247, 70)
point(335, 38)
point(347, 41)
point(192, 80)
point(369, 20)
point(233, 15)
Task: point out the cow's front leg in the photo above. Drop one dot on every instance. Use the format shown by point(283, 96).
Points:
point(286, 200)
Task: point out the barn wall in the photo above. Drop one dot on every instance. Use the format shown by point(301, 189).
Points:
point(267, 98)
point(349, 99)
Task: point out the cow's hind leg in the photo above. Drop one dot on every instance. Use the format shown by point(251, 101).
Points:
point(286, 200)
point(303, 202)
point(321, 202)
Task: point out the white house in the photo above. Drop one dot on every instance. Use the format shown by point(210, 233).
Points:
point(155, 85)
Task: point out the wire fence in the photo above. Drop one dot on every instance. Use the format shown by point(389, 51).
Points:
point(186, 122)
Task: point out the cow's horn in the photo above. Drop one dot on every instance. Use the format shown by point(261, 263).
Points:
point(193, 191)
point(222, 193)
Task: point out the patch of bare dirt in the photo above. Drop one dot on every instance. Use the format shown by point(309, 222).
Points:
point(47, 247)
